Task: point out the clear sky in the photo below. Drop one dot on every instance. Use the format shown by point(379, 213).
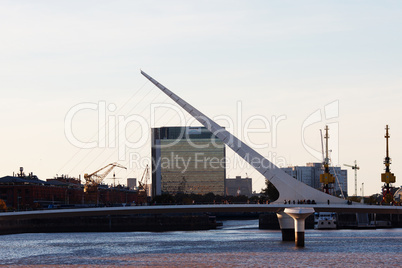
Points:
point(265, 60)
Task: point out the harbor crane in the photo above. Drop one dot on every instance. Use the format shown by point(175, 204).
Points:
point(387, 177)
point(93, 180)
point(326, 178)
point(325, 160)
point(355, 167)
point(142, 185)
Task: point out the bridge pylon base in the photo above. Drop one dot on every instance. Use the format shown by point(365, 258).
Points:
point(287, 226)
point(299, 216)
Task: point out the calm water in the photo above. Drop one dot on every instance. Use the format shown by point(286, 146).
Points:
point(238, 243)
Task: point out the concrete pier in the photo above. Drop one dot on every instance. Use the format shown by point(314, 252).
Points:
point(287, 226)
point(299, 215)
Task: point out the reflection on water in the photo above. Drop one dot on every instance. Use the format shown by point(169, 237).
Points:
point(238, 243)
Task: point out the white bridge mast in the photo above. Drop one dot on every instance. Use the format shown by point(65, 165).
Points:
point(288, 187)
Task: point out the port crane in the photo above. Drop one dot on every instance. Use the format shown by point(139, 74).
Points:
point(326, 178)
point(355, 167)
point(142, 185)
point(387, 177)
point(93, 180)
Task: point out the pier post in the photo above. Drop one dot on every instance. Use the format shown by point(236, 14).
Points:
point(299, 215)
point(287, 226)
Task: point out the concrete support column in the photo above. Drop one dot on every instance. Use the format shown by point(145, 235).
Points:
point(299, 215)
point(287, 226)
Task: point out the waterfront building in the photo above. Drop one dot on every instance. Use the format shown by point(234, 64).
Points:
point(148, 188)
point(239, 186)
point(27, 192)
point(132, 183)
point(310, 175)
point(187, 160)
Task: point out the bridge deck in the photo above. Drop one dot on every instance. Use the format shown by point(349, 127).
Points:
point(159, 209)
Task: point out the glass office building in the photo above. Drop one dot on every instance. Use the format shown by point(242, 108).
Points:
point(310, 175)
point(187, 160)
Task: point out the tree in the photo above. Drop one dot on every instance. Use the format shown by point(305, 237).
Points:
point(209, 198)
point(254, 199)
point(240, 199)
point(270, 191)
point(165, 198)
point(371, 200)
point(355, 199)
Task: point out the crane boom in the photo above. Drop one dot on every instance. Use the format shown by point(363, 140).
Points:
point(322, 147)
point(143, 185)
point(355, 167)
point(94, 179)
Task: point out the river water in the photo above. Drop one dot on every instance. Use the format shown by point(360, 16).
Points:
point(236, 244)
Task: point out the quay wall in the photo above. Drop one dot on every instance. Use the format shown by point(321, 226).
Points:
point(109, 223)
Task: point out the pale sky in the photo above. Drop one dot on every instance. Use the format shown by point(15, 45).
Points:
point(275, 59)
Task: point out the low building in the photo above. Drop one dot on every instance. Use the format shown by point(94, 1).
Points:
point(28, 192)
point(132, 183)
point(239, 186)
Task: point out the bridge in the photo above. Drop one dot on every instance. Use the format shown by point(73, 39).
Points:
point(292, 227)
point(287, 186)
point(291, 216)
point(165, 209)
